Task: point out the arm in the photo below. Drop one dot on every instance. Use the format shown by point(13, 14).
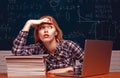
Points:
point(19, 44)
point(34, 23)
point(72, 52)
point(77, 54)
point(61, 70)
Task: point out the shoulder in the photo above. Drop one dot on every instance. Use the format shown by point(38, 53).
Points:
point(69, 42)
point(71, 46)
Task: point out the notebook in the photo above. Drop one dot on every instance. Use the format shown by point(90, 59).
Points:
point(96, 58)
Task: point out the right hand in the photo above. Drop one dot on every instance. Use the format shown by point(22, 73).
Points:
point(34, 23)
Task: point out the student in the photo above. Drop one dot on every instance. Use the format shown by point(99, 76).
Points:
point(48, 40)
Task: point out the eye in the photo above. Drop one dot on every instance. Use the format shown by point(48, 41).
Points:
point(50, 27)
point(41, 27)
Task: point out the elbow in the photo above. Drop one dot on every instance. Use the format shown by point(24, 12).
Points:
point(15, 51)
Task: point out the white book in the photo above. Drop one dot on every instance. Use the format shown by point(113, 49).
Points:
point(27, 64)
point(26, 69)
point(25, 73)
point(24, 60)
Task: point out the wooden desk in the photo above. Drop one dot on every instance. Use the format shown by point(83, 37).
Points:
point(110, 75)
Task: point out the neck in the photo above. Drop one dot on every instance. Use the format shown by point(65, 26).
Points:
point(51, 46)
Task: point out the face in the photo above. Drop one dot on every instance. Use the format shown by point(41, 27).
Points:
point(47, 32)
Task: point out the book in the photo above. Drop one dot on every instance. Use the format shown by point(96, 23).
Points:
point(26, 65)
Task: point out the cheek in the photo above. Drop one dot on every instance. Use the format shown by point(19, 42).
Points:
point(53, 33)
point(40, 33)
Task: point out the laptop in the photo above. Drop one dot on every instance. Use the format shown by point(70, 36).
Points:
point(96, 58)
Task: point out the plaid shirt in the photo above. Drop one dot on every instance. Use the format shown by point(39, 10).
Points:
point(65, 53)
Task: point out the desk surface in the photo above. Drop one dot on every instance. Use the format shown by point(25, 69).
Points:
point(109, 75)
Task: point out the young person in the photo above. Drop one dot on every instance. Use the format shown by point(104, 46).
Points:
point(48, 40)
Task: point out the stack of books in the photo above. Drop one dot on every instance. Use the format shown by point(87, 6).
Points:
point(26, 65)
point(3, 53)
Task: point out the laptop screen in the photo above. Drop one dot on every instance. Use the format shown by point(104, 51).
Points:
point(97, 57)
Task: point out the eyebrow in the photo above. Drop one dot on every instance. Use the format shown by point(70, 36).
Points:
point(45, 26)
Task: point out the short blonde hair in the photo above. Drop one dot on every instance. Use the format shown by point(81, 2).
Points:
point(59, 31)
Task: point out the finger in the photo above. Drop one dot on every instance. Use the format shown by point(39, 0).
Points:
point(46, 20)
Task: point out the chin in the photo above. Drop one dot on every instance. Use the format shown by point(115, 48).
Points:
point(46, 40)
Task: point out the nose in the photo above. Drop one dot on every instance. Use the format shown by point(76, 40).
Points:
point(46, 30)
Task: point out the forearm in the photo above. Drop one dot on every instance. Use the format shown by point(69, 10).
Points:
point(33, 23)
point(27, 26)
point(61, 70)
point(19, 42)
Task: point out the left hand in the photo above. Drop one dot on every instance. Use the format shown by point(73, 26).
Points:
point(61, 70)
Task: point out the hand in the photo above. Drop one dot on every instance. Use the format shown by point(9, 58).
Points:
point(61, 70)
point(34, 23)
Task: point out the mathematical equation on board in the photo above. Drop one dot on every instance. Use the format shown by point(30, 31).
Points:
point(84, 18)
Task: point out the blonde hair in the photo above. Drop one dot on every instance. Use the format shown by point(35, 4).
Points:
point(59, 31)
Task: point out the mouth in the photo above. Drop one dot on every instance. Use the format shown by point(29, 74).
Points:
point(46, 35)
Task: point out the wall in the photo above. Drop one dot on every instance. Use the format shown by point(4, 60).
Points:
point(79, 19)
